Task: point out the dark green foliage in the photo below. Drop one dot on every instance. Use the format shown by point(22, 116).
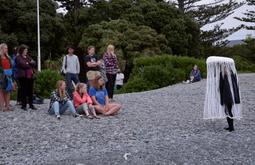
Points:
point(18, 25)
point(160, 71)
point(206, 12)
point(243, 55)
point(53, 64)
point(137, 84)
point(46, 81)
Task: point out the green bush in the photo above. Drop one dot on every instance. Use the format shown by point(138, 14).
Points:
point(160, 71)
point(53, 64)
point(243, 65)
point(137, 84)
point(46, 82)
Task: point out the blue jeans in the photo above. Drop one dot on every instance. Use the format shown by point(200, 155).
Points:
point(69, 78)
point(58, 109)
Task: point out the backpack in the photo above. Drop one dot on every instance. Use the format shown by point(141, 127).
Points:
point(62, 71)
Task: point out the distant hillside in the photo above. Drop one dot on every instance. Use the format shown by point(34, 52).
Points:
point(232, 43)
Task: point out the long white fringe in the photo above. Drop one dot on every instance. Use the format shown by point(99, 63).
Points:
point(212, 107)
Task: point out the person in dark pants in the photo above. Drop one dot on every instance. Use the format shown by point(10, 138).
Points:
point(25, 74)
point(71, 69)
point(111, 66)
point(226, 99)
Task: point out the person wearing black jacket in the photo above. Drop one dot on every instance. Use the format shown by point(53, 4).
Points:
point(25, 73)
point(226, 98)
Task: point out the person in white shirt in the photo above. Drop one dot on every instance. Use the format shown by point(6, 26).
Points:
point(71, 69)
point(119, 79)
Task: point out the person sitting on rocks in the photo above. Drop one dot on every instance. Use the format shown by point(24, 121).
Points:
point(83, 102)
point(195, 75)
point(100, 98)
point(60, 101)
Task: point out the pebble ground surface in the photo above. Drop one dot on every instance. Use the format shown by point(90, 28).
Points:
point(163, 127)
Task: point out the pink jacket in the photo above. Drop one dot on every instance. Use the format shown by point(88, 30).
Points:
point(78, 100)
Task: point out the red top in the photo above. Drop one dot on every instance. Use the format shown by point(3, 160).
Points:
point(78, 100)
point(6, 63)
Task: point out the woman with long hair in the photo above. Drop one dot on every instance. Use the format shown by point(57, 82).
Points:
point(83, 102)
point(60, 101)
point(111, 66)
point(5, 78)
point(100, 98)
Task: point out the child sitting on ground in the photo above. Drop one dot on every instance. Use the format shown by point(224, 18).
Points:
point(60, 101)
point(83, 102)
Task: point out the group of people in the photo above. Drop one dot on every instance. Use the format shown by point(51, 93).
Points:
point(19, 71)
point(90, 96)
point(107, 67)
point(91, 103)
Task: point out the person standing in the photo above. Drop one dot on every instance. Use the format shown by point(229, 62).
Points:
point(5, 78)
point(25, 73)
point(119, 80)
point(111, 66)
point(71, 69)
point(222, 98)
point(92, 64)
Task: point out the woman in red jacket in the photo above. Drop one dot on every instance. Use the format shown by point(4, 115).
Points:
point(82, 101)
point(5, 78)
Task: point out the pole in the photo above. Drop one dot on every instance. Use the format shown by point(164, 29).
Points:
point(38, 38)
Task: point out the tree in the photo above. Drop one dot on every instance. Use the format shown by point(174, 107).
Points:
point(207, 13)
point(18, 21)
point(181, 32)
point(130, 40)
point(250, 16)
point(72, 4)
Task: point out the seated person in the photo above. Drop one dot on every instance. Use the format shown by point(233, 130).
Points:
point(100, 98)
point(60, 101)
point(195, 75)
point(83, 102)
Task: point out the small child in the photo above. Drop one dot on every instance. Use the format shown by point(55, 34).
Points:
point(83, 102)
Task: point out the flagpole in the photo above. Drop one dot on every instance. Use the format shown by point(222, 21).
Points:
point(38, 38)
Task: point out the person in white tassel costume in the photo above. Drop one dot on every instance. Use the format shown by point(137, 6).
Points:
point(222, 99)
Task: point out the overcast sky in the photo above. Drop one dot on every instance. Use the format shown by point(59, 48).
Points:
point(229, 22)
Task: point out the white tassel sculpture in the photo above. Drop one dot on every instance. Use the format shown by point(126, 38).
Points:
point(212, 107)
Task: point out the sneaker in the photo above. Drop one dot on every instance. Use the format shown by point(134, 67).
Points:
point(76, 115)
point(58, 117)
point(24, 108)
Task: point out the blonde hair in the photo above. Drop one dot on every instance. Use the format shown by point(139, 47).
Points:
point(80, 86)
point(62, 94)
point(1, 49)
point(110, 47)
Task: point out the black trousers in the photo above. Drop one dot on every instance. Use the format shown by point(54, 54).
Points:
point(26, 90)
point(230, 120)
point(110, 84)
point(118, 87)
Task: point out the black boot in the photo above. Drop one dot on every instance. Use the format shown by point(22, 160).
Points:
point(230, 127)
